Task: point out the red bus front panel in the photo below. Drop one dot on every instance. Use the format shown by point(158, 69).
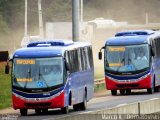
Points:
point(55, 102)
point(142, 83)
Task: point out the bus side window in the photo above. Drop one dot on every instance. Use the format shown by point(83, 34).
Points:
point(87, 58)
point(90, 55)
point(158, 47)
point(70, 61)
point(67, 64)
point(77, 66)
point(73, 60)
point(79, 59)
point(83, 59)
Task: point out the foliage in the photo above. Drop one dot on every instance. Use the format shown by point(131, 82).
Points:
point(5, 88)
point(57, 10)
point(12, 15)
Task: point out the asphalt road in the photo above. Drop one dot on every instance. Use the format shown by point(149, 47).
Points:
point(103, 101)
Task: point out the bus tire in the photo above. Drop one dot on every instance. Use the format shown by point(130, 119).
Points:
point(114, 92)
point(37, 111)
point(122, 92)
point(45, 111)
point(156, 89)
point(76, 107)
point(65, 110)
point(128, 91)
point(23, 112)
point(83, 105)
point(150, 90)
point(70, 98)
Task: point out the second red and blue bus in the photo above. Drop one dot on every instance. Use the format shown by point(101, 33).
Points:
point(131, 61)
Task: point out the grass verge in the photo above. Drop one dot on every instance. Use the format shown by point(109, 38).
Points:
point(5, 88)
point(99, 87)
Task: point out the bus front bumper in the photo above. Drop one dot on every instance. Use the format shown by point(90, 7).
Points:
point(143, 83)
point(55, 102)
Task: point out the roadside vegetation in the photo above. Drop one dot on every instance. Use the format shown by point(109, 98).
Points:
point(5, 88)
point(99, 74)
point(12, 15)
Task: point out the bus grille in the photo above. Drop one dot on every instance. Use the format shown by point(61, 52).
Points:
point(37, 104)
point(127, 85)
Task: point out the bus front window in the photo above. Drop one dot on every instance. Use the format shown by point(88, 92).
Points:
point(37, 73)
point(125, 59)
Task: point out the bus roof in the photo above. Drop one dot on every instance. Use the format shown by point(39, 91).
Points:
point(127, 40)
point(131, 37)
point(48, 48)
point(134, 32)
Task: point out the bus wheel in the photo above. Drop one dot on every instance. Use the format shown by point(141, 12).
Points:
point(37, 111)
point(122, 92)
point(65, 110)
point(76, 107)
point(45, 111)
point(23, 112)
point(128, 91)
point(150, 90)
point(114, 92)
point(156, 89)
point(83, 105)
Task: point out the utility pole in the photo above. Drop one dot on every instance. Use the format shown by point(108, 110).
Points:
point(25, 39)
point(146, 18)
point(25, 21)
point(40, 19)
point(75, 20)
point(81, 10)
point(81, 18)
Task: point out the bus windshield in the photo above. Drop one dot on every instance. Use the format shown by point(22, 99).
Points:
point(127, 59)
point(37, 73)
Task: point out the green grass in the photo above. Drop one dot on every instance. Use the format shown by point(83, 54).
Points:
point(98, 72)
point(99, 87)
point(5, 88)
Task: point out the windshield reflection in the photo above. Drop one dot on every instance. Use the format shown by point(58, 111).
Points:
point(127, 58)
point(37, 73)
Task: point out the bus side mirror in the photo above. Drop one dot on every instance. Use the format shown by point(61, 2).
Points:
point(100, 55)
point(7, 66)
point(7, 69)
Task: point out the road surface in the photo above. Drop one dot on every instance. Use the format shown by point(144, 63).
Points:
point(101, 101)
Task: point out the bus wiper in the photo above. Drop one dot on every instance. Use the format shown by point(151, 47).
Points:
point(14, 77)
point(39, 76)
point(29, 76)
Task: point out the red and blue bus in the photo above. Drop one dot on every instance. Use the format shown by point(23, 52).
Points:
point(52, 74)
point(131, 61)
